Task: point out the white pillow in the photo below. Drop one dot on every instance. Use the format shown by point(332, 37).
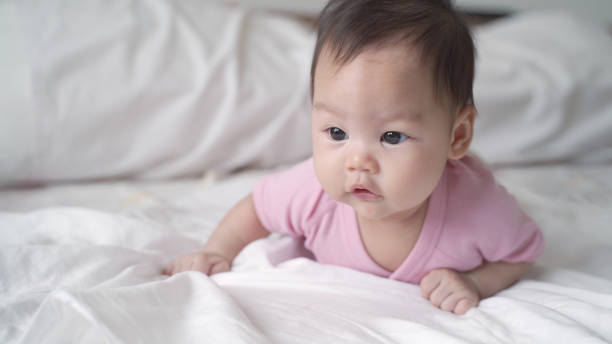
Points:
point(150, 89)
point(161, 89)
point(543, 90)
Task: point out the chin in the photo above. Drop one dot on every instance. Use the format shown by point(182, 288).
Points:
point(369, 211)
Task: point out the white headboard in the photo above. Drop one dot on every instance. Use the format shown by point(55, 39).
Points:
point(598, 9)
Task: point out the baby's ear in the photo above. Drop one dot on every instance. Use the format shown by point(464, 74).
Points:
point(463, 130)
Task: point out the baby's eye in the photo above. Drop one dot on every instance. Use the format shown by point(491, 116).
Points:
point(337, 134)
point(393, 137)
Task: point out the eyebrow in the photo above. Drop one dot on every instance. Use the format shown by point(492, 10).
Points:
point(327, 108)
point(411, 116)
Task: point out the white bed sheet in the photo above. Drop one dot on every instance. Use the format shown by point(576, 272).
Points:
point(109, 195)
point(76, 274)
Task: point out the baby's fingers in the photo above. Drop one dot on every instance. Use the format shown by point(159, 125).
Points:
point(200, 261)
point(208, 264)
point(440, 295)
point(217, 267)
point(459, 302)
point(170, 269)
point(429, 283)
point(179, 265)
point(465, 305)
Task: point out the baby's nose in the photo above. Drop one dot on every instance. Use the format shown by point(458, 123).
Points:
point(362, 162)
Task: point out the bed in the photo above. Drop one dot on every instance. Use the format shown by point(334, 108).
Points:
point(127, 130)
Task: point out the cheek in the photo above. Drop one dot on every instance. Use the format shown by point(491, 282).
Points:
point(328, 167)
point(412, 180)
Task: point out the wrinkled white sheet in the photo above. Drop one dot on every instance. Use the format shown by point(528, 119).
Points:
point(82, 275)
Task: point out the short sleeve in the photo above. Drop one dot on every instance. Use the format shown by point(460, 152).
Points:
point(285, 201)
point(512, 236)
point(484, 220)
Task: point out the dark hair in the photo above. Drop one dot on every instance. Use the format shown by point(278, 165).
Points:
point(347, 27)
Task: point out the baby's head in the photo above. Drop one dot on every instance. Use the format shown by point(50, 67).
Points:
point(431, 27)
point(391, 88)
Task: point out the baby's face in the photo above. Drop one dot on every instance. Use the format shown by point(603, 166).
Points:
point(380, 139)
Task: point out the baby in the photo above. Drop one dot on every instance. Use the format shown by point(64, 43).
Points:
point(390, 189)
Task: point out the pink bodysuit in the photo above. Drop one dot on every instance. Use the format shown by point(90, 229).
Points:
point(469, 219)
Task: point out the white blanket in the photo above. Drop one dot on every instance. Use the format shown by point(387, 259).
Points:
point(89, 276)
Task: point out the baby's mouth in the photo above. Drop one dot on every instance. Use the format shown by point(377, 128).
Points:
point(365, 194)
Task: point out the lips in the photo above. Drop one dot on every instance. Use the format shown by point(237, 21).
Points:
point(365, 194)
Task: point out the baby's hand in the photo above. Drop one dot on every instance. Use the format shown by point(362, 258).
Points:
point(450, 290)
point(205, 262)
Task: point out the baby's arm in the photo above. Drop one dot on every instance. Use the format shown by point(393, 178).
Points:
point(238, 228)
point(457, 292)
point(492, 277)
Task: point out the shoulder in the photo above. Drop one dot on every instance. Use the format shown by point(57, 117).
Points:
point(472, 187)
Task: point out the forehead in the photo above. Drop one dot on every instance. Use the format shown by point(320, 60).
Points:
point(396, 67)
point(390, 73)
point(392, 55)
